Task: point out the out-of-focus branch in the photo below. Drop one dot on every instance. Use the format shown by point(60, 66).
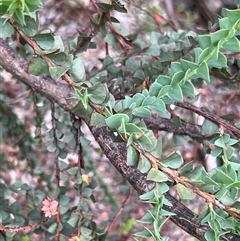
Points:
point(214, 118)
point(163, 124)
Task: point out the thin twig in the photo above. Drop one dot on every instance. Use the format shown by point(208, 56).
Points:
point(214, 118)
point(109, 228)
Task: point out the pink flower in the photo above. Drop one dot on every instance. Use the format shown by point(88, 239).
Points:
point(49, 207)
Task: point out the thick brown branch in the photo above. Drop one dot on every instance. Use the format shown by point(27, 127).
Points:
point(116, 153)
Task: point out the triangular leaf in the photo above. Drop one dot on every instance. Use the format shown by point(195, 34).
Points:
point(175, 93)
point(184, 192)
point(173, 161)
point(132, 156)
point(157, 176)
point(57, 71)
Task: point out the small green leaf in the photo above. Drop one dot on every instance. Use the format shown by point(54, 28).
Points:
point(232, 45)
point(150, 100)
point(188, 89)
point(218, 35)
point(164, 91)
point(63, 177)
point(62, 165)
point(6, 29)
point(38, 67)
point(223, 177)
point(99, 94)
point(138, 99)
point(31, 27)
point(186, 65)
point(84, 141)
point(34, 214)
point(52, 147)
point(219, 142)
point(64, 200)
point(73, 170)
point(34, 5)
point(154, 89)
point(38, 197)
point(132, 128)
point(208, 127)
point(232, 142)
point(81, 110)
point(157, 151)
point(57, 71)
point(82, 95)
point(63, 209)
point(178, 140)
point(232, 14)
point(87, 192)
point(163, 80)
point(204, 41)
point(19, 16)
point(73, 221)
point(159, 106)
point(52, 228)
point(173, 161)
point(185, 193)
point(226, 137)
point(147, 141)
point(176, 67)
point(120, 7)
point(221, 194)
point(147, 218)
point(216, 152)
point(205, 55)
point(221, 61)
point(58, 45)
point(144, 165)
point(148, 195)
point(210, 235)
point(175, 93)
point(103, 7)
point(77, 71)
point(139, 76)
point(58, 58)
point(97, 119)
point(133, 63)
point(157, 176)
point(116, 120)
point(177, 77)
point(197, 173)
point(130, 139)
point(186, 169)
point(132, 156)
point(143, 234)
point(86, 231)
point(44, 40)
point(203, 72)
point(142, 112)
